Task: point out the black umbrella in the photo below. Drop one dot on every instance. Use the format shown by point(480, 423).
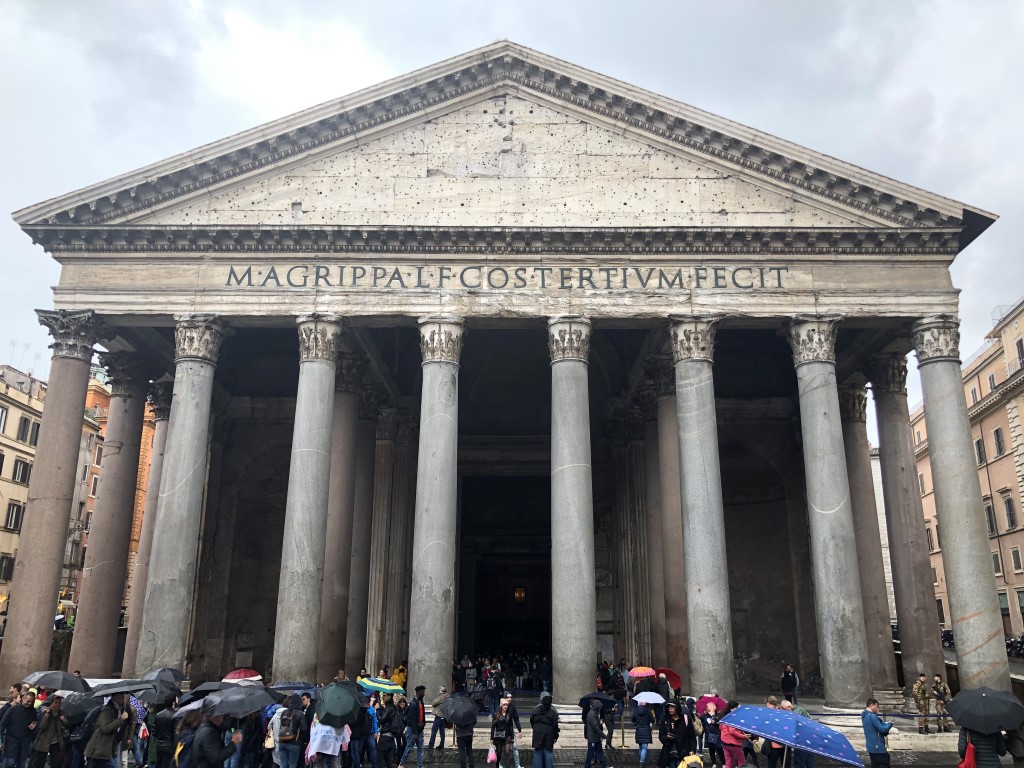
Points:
point(168, 674)
point(459, 709)
point(239, 701)
point(206, 688)
point(336, 706)
point(77, 705)
point(57, 680)
point(161, 693)
point(607, 702)
point(291, 686)
point(123, 686)
point(986, 710)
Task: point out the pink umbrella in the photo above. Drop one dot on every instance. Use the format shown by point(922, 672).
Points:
point(243, 673)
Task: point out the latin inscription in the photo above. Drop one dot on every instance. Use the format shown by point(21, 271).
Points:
point(491, 277)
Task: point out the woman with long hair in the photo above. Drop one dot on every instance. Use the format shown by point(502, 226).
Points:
point(502, 731)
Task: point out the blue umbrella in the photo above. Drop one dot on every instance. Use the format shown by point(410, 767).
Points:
point(794, 731)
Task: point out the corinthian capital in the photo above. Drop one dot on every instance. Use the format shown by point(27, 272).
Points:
point(662, 374)
point(128, 373)
point(693, 338)
point(351, 368)
point(569, 338)
point(813, 339)
point(160, 394)
point(441, 339)
point(888, 373)
point(319, 338)
point(73, 333)
point(937, 339)
point(853, 402)
point(371, 397)
point(198, 337)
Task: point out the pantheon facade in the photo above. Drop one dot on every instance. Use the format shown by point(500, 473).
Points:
point(502, 355)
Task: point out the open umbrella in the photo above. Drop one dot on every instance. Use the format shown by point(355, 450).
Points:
point(300, 686)
point(206, 688)
point(986, 710)
point(243, 673)
point(382, 685)
point(123, 686)
point(237, 702)
point(794, 732)
point(607, 702)
point(169, 674)
point(637, 672)
point(190, 707)
point(78, 704)
point(55, 679)
point(675, 682)
point(336, 706)
point(649, 697)
point(163, 690)
point(459, 709)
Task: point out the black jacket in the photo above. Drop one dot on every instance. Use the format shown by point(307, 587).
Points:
point(544, 721)
point(163, 730)
point(987, 747)
point(363, 724)
point(501, 728)
point(208, 748)
point(416, 715)
point(676, 733)
point(644, 723)
point(16, 721)
point(593, 731)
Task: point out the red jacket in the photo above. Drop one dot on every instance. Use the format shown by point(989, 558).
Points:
point(731, 737)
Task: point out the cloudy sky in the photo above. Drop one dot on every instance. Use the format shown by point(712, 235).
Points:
point(926, 92)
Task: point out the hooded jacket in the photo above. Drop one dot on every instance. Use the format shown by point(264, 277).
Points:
point(208, 748)
point(544, 721)
point(644, 724)
point(50, 730)
point(594, 728)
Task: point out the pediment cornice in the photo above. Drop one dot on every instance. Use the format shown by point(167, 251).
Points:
point(504, 67)
point(64, 239)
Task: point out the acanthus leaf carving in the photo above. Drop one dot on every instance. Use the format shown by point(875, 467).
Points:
point(937, 339)
point(198, 337)
point(74, 331)
point(853, 402)
point(813, 339)
point(693, 338)
point(441, 339)
point(319, 338)
point(569, 339)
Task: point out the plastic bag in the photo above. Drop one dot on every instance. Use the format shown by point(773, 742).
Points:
point(492, 755)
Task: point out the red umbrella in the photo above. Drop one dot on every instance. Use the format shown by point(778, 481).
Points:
point(243, 673)
point(674, 680)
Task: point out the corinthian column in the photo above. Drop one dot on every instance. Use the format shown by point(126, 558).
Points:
point(106, 561)
point(700, 482)
point(26, 646)
point(853, 414)
point(340, 510)
point(435, 527)
point(160, 401)
point(920, 644)
point(973, 605)
point(573, 588)
point(842, 642)
point(655, 582)
point(172, 564)
point(297, 633)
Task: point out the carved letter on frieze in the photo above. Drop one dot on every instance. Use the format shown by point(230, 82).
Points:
point(441, 339)
point(693, 338)
point(160, 395)
point(888, 373)
point(319, 339)
point(569, 339)
point(853, 402)
point(198, 337)
point(73, 333)
point(813, 339)
point(937, 338)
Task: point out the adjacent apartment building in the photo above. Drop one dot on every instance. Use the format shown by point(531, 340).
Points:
point(994, 390)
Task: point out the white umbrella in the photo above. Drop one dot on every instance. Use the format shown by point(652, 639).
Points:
point(649, 697)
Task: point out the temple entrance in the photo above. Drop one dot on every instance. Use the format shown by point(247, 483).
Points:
point(505, 565)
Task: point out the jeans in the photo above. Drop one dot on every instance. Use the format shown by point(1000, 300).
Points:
point(879, 760)
point(543, 758)
point(387, 751)
point(437, 727)
point(515, 751)
point(232, 762)
point(643, 753)
point(356, 748)
point(291, 754)
point(78, 754)
point(412, 736)
point(103, 762)
point(17, 752)
point(139, 749)
point(465, 745)
point(594, 752)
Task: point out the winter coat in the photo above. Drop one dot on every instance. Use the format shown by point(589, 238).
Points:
point(501, 728)
point(544, 721)
point(594, 728)
point(363, 725)
point(643, 725)
point(462, 731)
point(875, 731)
point(105, 740)
point(664, 689)
point(208, 748)
point(987, 747)
point(731, 737)
point(16, 721)
point(416, 715)
point(50, 730)
point(789, 682)
point(712, 730)
point(391, 721)
point(163, 730)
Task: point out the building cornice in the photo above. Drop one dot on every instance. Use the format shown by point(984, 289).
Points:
point(505, 68)
point(449, 240)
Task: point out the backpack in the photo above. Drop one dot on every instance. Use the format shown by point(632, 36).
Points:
point(288, 730)
point(492, 682)
point(183, 749)
point(84, 731)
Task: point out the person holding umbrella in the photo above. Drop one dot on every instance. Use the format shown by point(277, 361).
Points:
point(51, 735)
point(594, 732)
point(983, 714)
point(208, 747)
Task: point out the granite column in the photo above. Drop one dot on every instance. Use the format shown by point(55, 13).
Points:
point(172, 564)
point(297, 631)
point(973, 605)
point(573, 583)
point(708, 614)
point(842, 642)
point(106, 561)
point(383, 479)
point(435, 532)
point(653, 510)
point(913, 590)
point(44, 533)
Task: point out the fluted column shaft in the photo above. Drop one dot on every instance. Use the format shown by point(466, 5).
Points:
point(708, 613)
point(852, 405)
point(573, 587)
point(160, 400)
point(362, 529)
point(655, 558)
point(297, 631)
point(340, 511)
point(44, 533)
point(913, 590)
point(106, 561)
point(172, 564)
point(435, 543)
point(970, 584)
point(842, 642)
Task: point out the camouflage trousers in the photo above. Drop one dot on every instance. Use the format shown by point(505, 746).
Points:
point(942, 720)
point(923, 710)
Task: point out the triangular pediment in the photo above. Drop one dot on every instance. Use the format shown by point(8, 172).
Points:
point(506, 160)
point(586, 127)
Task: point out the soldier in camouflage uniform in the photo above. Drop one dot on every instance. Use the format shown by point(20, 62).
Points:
point(942, 696)
point(922, 696)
